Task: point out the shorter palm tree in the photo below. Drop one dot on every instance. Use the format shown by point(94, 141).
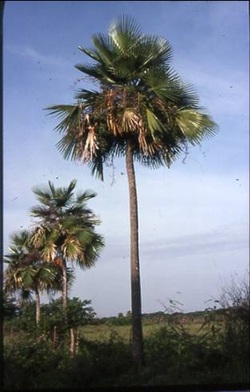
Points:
point(66, 229)
point(27, 272)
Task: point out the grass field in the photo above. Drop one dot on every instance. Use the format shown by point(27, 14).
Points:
point(103, 332)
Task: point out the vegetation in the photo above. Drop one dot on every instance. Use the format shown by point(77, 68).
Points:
point(142, 110)
point(27, 272)
point(65, 231)
point(208, 347)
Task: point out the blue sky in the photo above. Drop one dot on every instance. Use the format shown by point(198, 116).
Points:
point(193, 216)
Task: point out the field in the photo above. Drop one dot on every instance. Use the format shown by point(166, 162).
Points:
point(102, 332)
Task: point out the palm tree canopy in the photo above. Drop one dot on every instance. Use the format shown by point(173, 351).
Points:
point(56, 203)
point(26, 269)
point(66, 226)
point(140, 100)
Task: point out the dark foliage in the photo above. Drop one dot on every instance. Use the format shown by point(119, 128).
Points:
point(218, 354)
point(9, 308)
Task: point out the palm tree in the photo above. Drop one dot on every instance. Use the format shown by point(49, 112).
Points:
point(141, 110)
point(27, 272)
point(66, 229)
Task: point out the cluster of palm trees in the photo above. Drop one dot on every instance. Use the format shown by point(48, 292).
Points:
point(64, 231)
point(141, 110)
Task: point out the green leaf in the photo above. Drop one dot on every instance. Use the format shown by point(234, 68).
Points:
point(195, 125)
point(154, 123)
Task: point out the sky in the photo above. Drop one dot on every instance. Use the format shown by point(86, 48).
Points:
point(194, 216)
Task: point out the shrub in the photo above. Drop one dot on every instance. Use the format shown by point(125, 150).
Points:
point(30, 364)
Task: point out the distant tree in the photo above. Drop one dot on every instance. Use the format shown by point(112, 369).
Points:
point(142, 111)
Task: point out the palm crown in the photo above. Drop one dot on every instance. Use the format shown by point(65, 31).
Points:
point(66, 226)
point(66, 229)
point(27, 272)
point(140, 99)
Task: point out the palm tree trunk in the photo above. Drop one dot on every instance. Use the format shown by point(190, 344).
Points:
point(72, 342)
point(64, 300)
point(137, 337)
point(38, 307)
point(54, 337)
point(65, 285)
point(77, 341)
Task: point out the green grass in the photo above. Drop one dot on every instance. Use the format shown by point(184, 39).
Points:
point(103, 332)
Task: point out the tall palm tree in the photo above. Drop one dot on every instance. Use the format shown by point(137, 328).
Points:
point(66, 229)
point(141, 110)
point(27, 272)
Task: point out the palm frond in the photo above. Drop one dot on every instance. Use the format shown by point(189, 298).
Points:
point(88, 96)
point(96, 165)
point(92, 70)
point(125, 24)
point(43, 195)
point(70, 115)
point(68, 192)
point(195, 125)
point(188, 97)
point(71, 249)
point(154, 52)
point(40, 212)
point(91, 53)
point(38, 237)
point(68, 147)
point(82, 197)
point(125, 34)
point(164, 83)
point(49, 251)
point(154, 124)
point(103, 46)
point(19, 239)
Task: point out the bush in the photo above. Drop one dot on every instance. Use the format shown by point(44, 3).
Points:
point(235, 300)
point(34, 364)
point(30, 364)
point(109, 359)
